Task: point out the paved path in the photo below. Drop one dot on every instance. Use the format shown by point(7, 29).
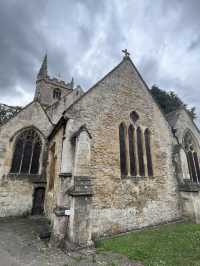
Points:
point(20, 245)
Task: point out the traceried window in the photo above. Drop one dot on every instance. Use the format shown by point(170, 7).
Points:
point(139, 148)
point(192, 157)
point(57, 93)
point(27, 151)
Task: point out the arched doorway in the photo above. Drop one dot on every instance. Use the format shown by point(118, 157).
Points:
point(38, 201)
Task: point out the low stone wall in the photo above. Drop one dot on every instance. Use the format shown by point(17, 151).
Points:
point(113, 221)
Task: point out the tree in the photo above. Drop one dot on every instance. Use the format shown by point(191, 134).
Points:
point(169, 101)
point(7, 112)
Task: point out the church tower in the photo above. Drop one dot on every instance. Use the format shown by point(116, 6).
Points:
point(50, 90)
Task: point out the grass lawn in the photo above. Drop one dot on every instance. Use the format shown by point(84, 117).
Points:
point(171, 245)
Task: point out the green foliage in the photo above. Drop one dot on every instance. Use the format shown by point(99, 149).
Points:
point(7, 112)
point(167, 245)
point(169, 101)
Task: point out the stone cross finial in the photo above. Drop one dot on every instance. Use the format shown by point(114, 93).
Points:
point(126, 53)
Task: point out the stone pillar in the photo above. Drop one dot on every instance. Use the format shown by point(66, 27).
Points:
point(80, 231)
point(67, 150)
point(62, 211)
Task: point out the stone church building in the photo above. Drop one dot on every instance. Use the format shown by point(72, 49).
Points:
point(101, 162)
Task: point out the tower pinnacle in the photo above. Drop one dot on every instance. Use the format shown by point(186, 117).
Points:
point(43, 72)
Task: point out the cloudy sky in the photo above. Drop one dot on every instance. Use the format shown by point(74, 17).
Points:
point(84, 39)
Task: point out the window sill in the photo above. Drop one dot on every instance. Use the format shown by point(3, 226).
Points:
point(135, 178)
point(189, 186)
point(34, 178)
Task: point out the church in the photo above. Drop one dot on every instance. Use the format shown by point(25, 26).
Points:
point(100, 162)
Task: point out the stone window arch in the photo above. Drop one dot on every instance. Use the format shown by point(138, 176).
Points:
point(57, 93)
point(123, 149)
point(27, 152)
point(192, 153)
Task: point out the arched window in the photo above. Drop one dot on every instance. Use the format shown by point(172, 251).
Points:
point(192, 157)
point(123, 149)
point(26, 157)
point(132, 156)
point(140, 152)
point(148, 152)
point(57, 93)
point(139, 145)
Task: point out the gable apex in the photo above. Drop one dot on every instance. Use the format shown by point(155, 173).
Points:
point(126, 60)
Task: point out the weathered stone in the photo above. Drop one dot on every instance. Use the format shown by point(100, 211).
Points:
point(80, 159)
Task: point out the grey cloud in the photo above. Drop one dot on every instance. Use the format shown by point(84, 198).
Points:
point(20, 43)
point(149, 68)
point(85, 39)
point(195, 43)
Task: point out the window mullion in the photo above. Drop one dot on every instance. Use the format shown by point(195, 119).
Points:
point(22, 158)
point(30, 165)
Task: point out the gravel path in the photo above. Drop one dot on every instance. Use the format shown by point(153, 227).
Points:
point(20, 245)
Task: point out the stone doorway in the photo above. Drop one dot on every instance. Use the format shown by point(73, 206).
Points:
point(38, 201)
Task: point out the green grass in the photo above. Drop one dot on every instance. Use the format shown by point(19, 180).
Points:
point(170, 245)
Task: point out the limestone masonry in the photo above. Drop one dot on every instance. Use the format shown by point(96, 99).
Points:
point(101, 162)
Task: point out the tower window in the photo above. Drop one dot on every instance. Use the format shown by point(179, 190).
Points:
point(57, 93)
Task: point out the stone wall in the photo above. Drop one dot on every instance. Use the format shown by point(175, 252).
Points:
point(45, 88)
point(15, 198)
point(16, 192)
point(182, 123)
point(121, 204)
point(51, 199)
point(56, 110)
